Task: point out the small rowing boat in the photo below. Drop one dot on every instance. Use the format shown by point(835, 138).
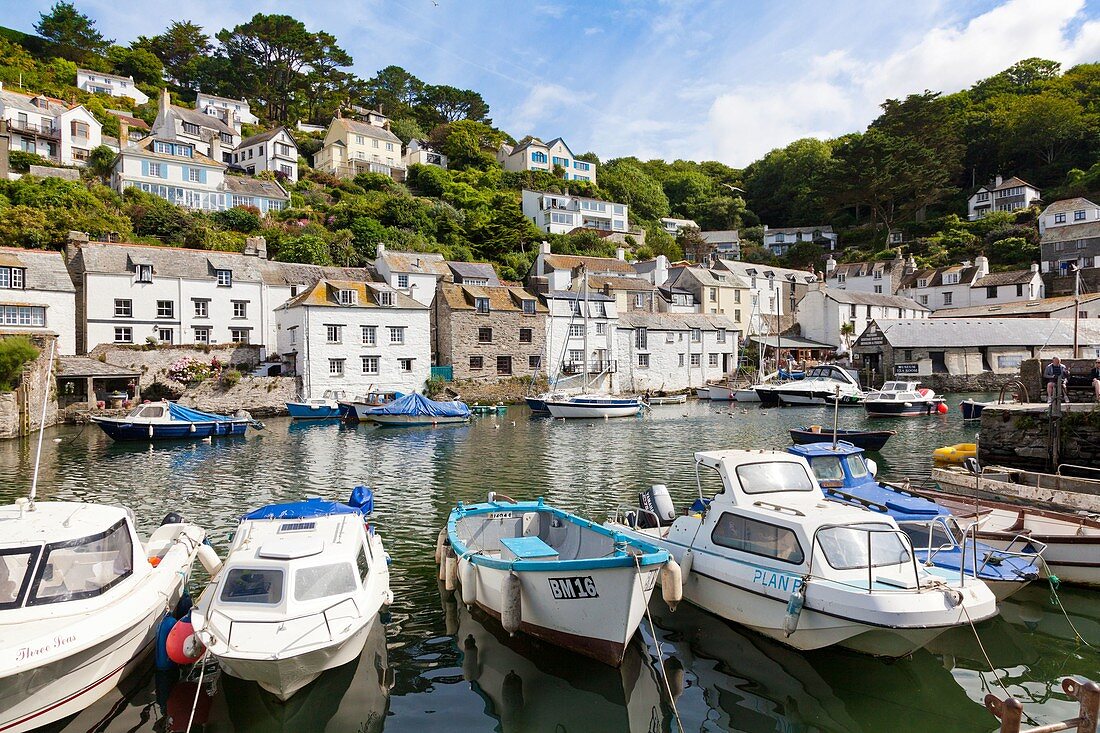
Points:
point(869, 440)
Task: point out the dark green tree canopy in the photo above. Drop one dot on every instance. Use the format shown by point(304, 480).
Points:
point(72, 30)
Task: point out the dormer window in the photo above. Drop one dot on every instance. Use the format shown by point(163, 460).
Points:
point(145, 273)
point(225, 278)
point(12, 278)
point(481, 305)
point(841, 277)
point(348, 297)
point(385, 298)
point(227, 138)
point(191, 128)
point(951, 279)
point(529, 307)
point(922, 283)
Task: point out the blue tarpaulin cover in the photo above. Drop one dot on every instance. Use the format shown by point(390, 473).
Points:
point(418, 405)
point(186, 414)
point(315, 507)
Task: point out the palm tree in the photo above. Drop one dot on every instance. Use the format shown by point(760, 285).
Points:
point(847, 331)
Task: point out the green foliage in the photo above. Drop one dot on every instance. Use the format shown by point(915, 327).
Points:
point(64, 206)
point(244, 219)
point(182, 49)
point(21, 161)
point(139, 63)
point(100, 161)
point(468, 143)
point(308, 248)
point(15, 352)
point(230, 378)
point(73, 32)
point(627, 183)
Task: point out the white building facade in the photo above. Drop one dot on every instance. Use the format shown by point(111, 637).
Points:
point(232, 111)
point(532, 154)
point(274, 150)
point(1001, 195)
point(420, 152)
point(781, 239)
point(581, 352)
point(673, 352)
point(557, 213)
point(37, 295)
point(47, 127)
point(355, 336)
point(98, 82)
point(822, 312)
point(414, 274)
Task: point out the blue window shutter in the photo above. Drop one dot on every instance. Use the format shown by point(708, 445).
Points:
point(163, 170)
point(202, 176)
point(145, 168)
point(186, 177)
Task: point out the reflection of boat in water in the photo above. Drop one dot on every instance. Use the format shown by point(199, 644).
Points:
point(756, 684)
point(530, 685)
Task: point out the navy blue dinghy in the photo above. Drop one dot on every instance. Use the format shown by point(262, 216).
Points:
point(936, 534)
point(167, 420)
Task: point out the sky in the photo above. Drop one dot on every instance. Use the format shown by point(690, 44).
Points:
point(691, 79)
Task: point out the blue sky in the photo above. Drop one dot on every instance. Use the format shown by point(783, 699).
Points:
point(695, 79)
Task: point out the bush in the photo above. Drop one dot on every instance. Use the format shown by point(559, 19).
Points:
point(21, 161)
point(230, 378)
point(245, 219)
point(15, 352)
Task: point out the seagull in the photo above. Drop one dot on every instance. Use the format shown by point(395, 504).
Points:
point(57, 440)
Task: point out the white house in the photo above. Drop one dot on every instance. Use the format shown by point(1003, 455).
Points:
point(781, 239)
point(36, 294)
point(208, 134)
point(352, 147)
point(672, 352)
point(48, 127)
point(575, 322)
point(414, 274)
point(532, 154)
point(1001, 195)
point(1070, 235)
point(356, 336)
point(231, 111)
point(774, 292)
point(880, 278)
point(559, 213)
point(822, 312)
point(98, 82)
point(274, 150)
point(674, 226)
point(421, 152)
point(944, 287)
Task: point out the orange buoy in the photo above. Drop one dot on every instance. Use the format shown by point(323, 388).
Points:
point(183, 644)
point(942, 409)
point(154, 561)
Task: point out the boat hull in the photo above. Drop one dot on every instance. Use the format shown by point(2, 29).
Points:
point(721, 394)
point(594, 410)
point(702, 393)
point(673, 400)
point(869, 440)
point(413, 421)
point(971, 409)
point(899, 408)
point(767, 396)
point(537, 405)
point(123, 430)
point(302, 411)
point(746, 395)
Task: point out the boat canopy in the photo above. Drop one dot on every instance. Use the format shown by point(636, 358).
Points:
point(315, 507)
point(186, 414)
point(419, 405)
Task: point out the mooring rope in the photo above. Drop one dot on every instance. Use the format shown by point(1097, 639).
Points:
point(981, 646)
point(1055, 581)
point(657, 644)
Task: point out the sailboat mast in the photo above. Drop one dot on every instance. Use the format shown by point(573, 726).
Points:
point(1076, 309)
point(584, 291)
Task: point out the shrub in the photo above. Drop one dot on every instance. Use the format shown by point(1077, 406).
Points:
point(21, 161)
point(14, 353)
point(244, 219)
point(230, 378)
point(192, 371)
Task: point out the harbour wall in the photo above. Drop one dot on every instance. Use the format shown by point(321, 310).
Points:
point(21, 410)
point(1020, 436)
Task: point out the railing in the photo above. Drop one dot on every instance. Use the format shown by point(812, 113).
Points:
point(1011, 711)
point(42, 130)
point(594, 367)
point(871, 531)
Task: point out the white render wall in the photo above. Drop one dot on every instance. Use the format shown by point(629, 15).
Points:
point(266, 158)
point(94, 139)
point(60, 315)
point(310, 341)
point(118, 87)
point(559, 342)
point(820, 317)
point(665, 371)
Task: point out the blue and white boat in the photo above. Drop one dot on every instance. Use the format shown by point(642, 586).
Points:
point(317, 408)
point(972, 409)
point(415, 410)
point(551, 574)
point(166, 420)
point(594, 406)
point(939, 541)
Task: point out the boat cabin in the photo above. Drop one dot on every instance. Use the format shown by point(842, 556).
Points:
point(833, 373)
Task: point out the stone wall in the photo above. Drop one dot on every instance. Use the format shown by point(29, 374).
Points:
point(984, 382)
point(458, 341)
point(1031, 374)
point(1020, 436)
point(154, 363)
point(23, 407)
point(261, 396)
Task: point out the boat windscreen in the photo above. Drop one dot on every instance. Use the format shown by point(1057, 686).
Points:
point(263, 586)
point(931, 535)
point(83, 568)
point(857, 466)
point(850, 547)
point(774, 476)
point(321, 581)
point(827, 468)
point(16, 564)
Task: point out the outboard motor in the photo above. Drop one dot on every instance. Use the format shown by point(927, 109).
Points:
point(656, 499)
point(362, 498)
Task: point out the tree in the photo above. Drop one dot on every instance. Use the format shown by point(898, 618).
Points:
point(804, 255)
point(139, 63)
point(441, 104)
point(309, 249)
point(469, 144)
point(1043, 126)
point(627, 183)
point(101, 160)
point(181, 48)
point(692, 244)
point(406, 128)
point(73, 31)
point(789, 185)
point(393, 91)
point(15, 351)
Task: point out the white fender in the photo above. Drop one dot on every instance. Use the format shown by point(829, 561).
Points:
point(450, 573)
point(511, 603)
point(211, 563)
point(672, 584)
point(439, 545)
point(467, 578)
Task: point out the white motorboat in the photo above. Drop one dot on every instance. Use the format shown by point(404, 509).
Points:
point(820, 385)
point(81, 598)
point(317, 408)
point(551, 574)
point(702, 393)
point(298, 593)
point(674, 399)
point(771, 553)
point(593, 406)
point(748, 394)
point(721, 392)
point(902, 399)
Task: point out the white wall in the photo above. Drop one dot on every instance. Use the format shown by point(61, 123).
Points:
point(559, 342)
point(60, 315)
point(665, 371)
point(92, 141)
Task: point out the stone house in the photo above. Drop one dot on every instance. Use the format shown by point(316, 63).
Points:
point(489, 332)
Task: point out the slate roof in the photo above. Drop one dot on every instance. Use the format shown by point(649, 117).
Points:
point(1007, 183)
point(242, 102)
point(976, 332)
point(1046, 306)
point(594, 264)
point(708, 278)
point(264, 137)
point(366, 128)
point(1012, 277)
point(202, 119)
point(620, 283)
point(934, 276)
point(20, 101)
point(794, 342)
point(826, 229)
point(82, 366)
point(45, 269)
point(577, 295)
point(1082, 230)
point(145, 146)
point(417, 263)
point(480, 270)
point(747, 269)
point(721, 236)
point(501, 298)
point(194, 264)
point(296, 273)
point(1074, 204)
point(104, 74)
point(676, 321)
point(325, 293)
point(856, 298)
point(248, 186)
point(863, 269)
point(129, 119)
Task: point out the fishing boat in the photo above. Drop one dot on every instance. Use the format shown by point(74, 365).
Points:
point(81, 600)
point(820, 382)
point(298, 592)
point(594, 406)
point(869, 440)
point(957, 453)
point(939, 541)
point(551, 574)
point(702, 393)
point(903, 399)
point(496, 409)
point(972, 409)
point(675, 399)
point(721, 392)
point(166, 420)
point(360, 407)
point(769, 551)
point(317, 408)
point(1016, 486)
point(416, 410)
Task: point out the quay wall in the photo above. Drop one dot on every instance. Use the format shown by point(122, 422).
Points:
point(154, 363)
point(21, 410)
point(1020, 435)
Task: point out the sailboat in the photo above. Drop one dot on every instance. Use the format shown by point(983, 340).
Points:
point(588, 404)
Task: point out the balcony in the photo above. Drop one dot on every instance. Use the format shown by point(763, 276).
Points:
point(29, 128)
point(594, 367)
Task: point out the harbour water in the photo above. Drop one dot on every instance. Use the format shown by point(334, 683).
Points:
point(444, 669)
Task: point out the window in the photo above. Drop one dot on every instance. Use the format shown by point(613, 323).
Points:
point(481, 305)
point(534, 361)
point(84, 568)
point(166, 309)
point(225, 278)
point(286, 170)
point(336, 367)
point(1079, 216)
point(405, 365)
point(334, 333)
point(947, 298)
point(713, 295)
point(156, 170)
point(641, 338)
point(385, 298)
point(722, 335)
point(1082, 314)
point(124, 335)
point(12, 278)
point(202, 335)
point(1019, 291)
point(991, 291)
point(347, 297)
point(504, 365)
point(22, 315)
point(525, 335)
point(737, 315)
point(696, 335)
point(878, 289)
point(190, 128)
point(257, 586)
point(322, 581)
point(576, 329)
point(681, 359)
point(852, 311)
point(601, 329)
point(164, 335)
point(846, 548)
point(576, 356)
point(477, 362)
point(240, 309)
point(737, 296)
point(238, 335)
point(485, 335)
point(369, 335)
point(194, 175)
point(951, 278)
point(202, 308)
point(145, 273)
point(923, 299)
point(397, 334)
point(402, 281)
point(922, 283)
point(639, 300)
point(712, 360)
point(643, 361)
point(1059, 218)
point(757, 538)
point(124, 308)
point(370, 364)
point(696, 360)
point(528, 307)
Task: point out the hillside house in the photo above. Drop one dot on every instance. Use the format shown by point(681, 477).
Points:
point(532, 154)
point(100, 82)
point(37, 295)
point(1001, 195)
point(273, 150)
point(352, 147)
point(48, 127)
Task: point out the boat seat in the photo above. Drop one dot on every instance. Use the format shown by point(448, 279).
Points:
point(526, 548)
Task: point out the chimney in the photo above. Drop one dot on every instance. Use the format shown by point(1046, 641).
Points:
point(997, 180)
point(830, 266)
point(982, 263)
point(544, 248)
point(231, 118)
point(216, 147)
point(256, 247)
point(911, 265)
point(123, 134)
point(165, 100)
point(72, 246)
point(380, 249)
point(1034, 267)
point(620, 254)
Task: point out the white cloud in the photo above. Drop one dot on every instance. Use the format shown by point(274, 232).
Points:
point(592, 30)
point(543, 101)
